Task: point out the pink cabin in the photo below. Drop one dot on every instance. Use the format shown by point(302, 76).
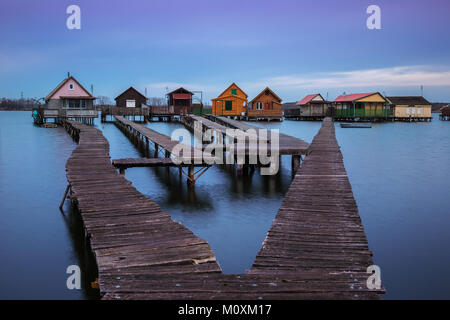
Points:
point(69, 94)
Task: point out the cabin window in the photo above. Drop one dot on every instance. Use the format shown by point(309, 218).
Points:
point(131, 103)
point(71, 86)
point(228, 105)
point(407, 110)
point(419, 111)
point(76, 104)
point(259, 106)
point(234, 91)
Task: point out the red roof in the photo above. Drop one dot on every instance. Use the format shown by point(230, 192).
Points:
point(353, 96)
point(307, 99)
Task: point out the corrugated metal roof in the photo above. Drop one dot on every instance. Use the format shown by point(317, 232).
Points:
point(353, 96)
point(408, 100)
point(307, 99)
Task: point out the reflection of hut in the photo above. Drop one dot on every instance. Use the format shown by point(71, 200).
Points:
point(445, 113)
point(409, 108)
point(181, 101)
point(361, 106)
point(231, 102)
point(265, 106)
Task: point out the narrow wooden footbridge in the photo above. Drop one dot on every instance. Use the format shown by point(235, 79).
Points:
point(142, 136)
point(286, 145)
point(315, 249)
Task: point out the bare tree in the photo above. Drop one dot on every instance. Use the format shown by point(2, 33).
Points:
point(156, 102)
point(103, 101)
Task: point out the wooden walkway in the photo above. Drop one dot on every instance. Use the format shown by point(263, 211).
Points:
point(318, 228)
point(128, 233)
point(288, 145)
point(149, 162)
point(315, 249)
point(159, 140)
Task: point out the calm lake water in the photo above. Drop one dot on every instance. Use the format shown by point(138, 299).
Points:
point(399, 173)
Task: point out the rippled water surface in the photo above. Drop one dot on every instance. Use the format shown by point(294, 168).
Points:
point(399, 173)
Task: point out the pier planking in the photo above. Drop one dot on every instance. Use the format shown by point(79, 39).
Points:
point(318, 227)
point(127, 232)
point(316, 247)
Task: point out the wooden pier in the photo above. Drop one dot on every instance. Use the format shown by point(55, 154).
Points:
point(137, 114)
point(142, 136)
point(318, 228)
point(315, 249)
point(288, 145)
point(128, 233)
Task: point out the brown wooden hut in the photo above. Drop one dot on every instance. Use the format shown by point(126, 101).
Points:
point(131, 98)
point(265, 106)
point(445, 113)
point(180, 100)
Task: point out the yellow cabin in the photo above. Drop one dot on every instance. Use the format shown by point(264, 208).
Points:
point(231, 102)
point(265, 106)
point(409, 108)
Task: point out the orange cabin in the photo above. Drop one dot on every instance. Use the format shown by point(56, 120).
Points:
point(266, 105)
point(231, 102)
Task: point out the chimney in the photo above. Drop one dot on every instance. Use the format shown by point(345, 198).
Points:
point(68, 74)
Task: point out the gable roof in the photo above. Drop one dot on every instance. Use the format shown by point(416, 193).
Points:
point(48, 97)
point(233, 84)
point(271, 92)
point(354, 96)
point(132, 89)
point(179, 90)
point(408, 100)
point(309, 98)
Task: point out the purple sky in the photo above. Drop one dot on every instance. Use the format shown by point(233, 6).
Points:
point(295, 47)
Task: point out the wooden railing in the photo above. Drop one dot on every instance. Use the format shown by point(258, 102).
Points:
point(123, 111)
point(265, 113)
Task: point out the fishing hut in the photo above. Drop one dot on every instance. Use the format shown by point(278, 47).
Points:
point(69, 100)
point(409, 108)
point(232, 103)
point(361, 107)
point(130, 104)
point(445, 113)
point(311, 107)
point(265, 106)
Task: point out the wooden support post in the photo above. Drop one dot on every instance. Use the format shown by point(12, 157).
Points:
point(122, 171)
point(295, 162)
point(191, 180)
point(64, 197)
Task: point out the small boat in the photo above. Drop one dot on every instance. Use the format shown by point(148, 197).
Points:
point(356, 125)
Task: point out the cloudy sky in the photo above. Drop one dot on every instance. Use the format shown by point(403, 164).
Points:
point(294, 46)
